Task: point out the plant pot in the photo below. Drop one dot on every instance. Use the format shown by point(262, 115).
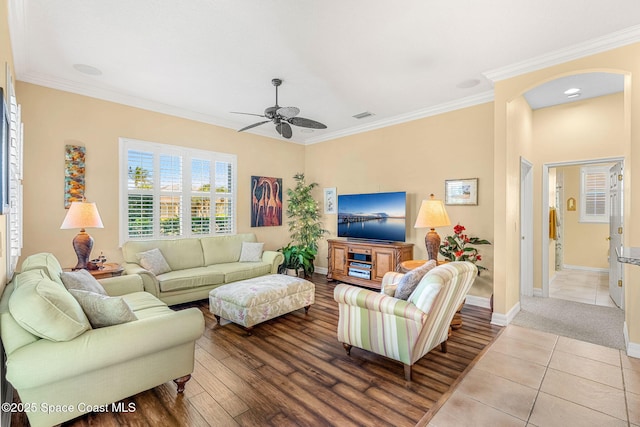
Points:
point(291, 272)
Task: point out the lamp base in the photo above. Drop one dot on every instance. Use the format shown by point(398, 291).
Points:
point(82, 244)
point(432, 242)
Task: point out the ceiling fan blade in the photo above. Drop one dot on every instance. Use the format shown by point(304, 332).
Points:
point(306, 123)
point(248, 114)
point(254, 125)
point(284, 129)
point(288, 112)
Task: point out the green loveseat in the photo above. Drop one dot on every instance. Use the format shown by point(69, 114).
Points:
point(60, 377)
point(197, 265)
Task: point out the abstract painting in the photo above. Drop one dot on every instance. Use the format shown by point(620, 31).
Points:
point(266, 201)
point(73, 174)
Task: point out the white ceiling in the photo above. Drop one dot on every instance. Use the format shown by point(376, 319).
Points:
point(401, 60)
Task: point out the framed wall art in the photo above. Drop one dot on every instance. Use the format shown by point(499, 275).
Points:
point(461, 191)
point(266, 201)
point(330, 201)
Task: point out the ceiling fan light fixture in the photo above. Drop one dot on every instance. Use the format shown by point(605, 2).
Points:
point(572, 91)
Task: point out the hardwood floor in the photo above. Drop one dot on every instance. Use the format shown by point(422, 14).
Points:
point(292, 371)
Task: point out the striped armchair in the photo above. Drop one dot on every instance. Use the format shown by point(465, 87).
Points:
point(403, 330)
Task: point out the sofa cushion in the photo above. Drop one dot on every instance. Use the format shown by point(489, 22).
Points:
point(235, 271)
point(45, 308)
point(45, 261)
point(189, 278)
point(251, 252)
point(409, 281)
point(83, 280)
point(154, 261)
point(179, 253)
point(103, 310)
point(139, 301)
point(223, 249)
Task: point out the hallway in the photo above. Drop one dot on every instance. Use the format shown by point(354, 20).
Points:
point(589, 287)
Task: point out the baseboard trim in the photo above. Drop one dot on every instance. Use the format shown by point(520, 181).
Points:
point(321, 270)
point(504, 319)
point(633, 349)
point(537, 292)
point(579, 267)
point(478, 301)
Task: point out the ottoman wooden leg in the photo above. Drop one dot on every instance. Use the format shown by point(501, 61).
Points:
point(180, 382)
point(306, 309)
point(217, 318)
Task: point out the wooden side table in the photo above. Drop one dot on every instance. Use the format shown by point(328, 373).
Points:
point(407, 266)
point(109, 269)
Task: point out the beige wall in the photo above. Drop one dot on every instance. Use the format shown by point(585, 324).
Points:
point(584, 244)
point(54, 118)
point(622, 60)
point(416, 157)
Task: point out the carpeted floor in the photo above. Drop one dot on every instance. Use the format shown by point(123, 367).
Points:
point(585, 322)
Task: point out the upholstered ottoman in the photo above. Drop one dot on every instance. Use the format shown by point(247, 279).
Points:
point(249, 302)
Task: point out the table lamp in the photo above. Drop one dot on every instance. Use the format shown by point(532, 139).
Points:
point(82, 215)
point(431, 215)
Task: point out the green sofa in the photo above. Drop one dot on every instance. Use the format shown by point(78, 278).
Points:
point(60, 377)
point(197, 265)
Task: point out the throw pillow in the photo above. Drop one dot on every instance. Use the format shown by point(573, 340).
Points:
point(410, 281)
point(390, 289)
point(46, 309)
point(83, 280)
point(153, 261)
point(251, 252)
point(103, 310)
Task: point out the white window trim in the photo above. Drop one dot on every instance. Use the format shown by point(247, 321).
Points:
point(596, 219)
point(126, 144)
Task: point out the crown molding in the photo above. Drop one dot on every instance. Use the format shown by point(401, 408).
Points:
point(601, 44)
point(470, 101)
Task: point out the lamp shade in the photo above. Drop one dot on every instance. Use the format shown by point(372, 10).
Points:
point(82, 215)
point(432, 214)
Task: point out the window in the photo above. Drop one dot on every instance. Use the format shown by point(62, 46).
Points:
point(594, 194)
point(169, 191)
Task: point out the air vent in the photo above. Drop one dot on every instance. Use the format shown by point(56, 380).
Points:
point(363, 115)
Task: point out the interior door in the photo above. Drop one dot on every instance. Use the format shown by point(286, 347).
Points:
point(615, 234)
point(526, 228)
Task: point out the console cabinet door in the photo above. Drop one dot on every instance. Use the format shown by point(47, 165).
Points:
point(383, 261)
point(339, 260)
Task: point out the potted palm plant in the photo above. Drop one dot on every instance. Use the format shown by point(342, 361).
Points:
point(305, 227)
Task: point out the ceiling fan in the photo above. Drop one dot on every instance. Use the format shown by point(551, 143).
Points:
point(282, 117)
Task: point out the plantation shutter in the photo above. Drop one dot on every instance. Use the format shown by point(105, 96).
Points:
point(169, 191)
point(140, 212)
point(595, 194)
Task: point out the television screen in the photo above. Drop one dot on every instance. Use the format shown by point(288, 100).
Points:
point(374, 216)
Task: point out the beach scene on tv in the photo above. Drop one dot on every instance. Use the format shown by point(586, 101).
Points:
point(374, 216)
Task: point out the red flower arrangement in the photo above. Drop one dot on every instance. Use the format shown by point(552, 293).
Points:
point(457, 247)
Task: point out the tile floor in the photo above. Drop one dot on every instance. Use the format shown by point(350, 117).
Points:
point(589, 287)
point(533, 378)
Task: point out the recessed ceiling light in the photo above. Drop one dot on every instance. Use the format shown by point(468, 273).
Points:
point(572, 91)
point(468, 84)
point(87, 69)
point(573, 95)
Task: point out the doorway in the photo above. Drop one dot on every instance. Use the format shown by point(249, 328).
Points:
point(580, 256)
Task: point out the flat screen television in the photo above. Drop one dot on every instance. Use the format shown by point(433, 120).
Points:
point(373, 216)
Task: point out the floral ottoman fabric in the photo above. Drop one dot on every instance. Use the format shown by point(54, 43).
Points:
point(249, 302)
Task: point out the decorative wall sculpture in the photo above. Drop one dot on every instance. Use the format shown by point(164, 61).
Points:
point(73, 174)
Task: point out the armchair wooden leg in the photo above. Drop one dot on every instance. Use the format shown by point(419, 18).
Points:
point(407, 372)
point(443, 346)
point(347, 347)
point(181, 382)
